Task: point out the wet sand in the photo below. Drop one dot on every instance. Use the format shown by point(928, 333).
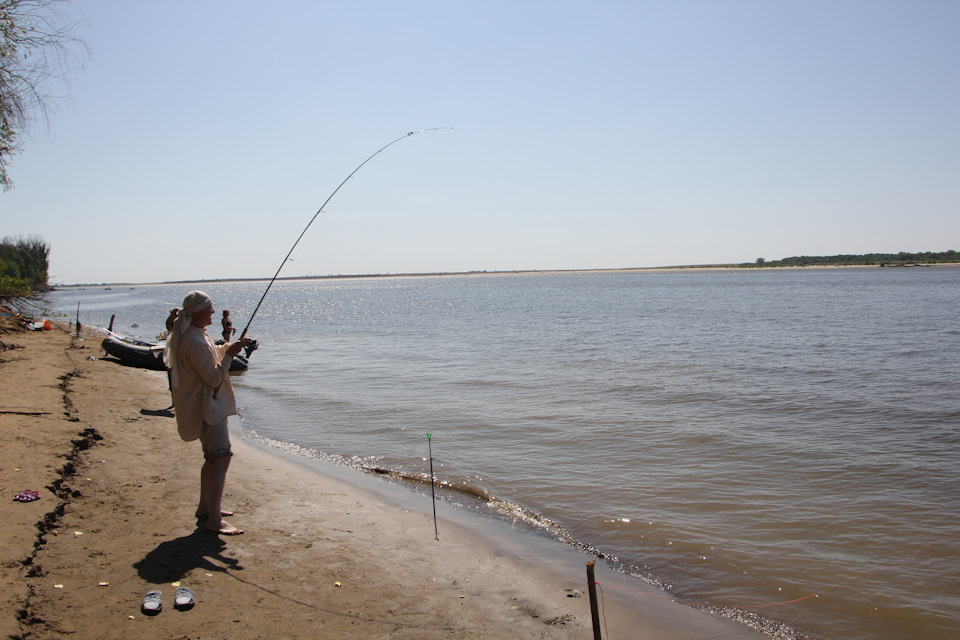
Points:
point(323, 555)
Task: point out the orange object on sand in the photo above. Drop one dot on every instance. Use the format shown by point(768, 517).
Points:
point(46, 325)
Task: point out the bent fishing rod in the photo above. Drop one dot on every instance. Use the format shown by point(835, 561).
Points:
point(320, 210)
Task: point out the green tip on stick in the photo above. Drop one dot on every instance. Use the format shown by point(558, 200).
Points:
point(429, 435)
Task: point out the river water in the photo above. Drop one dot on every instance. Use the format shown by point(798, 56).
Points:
point(783, 442)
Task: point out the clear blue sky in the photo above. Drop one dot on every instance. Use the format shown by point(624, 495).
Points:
point(202, 136)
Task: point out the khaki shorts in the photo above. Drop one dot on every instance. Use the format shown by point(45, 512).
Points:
point(215, 439)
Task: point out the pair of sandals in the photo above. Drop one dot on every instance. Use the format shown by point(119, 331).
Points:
point(153, 602)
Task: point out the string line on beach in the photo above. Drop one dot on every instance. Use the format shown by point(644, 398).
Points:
point(603, 611)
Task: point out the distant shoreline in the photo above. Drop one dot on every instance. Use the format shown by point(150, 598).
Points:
point(716, 267)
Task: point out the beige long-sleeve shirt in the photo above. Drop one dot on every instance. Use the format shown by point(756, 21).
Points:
point(202, 367)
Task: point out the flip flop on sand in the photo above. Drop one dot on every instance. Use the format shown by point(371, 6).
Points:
point(152, 603)
point(27, 495)
point(183, 598)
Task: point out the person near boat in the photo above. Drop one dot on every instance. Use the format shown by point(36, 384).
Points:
point(228, 329)
point(172, 318)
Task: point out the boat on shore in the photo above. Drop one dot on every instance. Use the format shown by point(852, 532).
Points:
point(149, 355)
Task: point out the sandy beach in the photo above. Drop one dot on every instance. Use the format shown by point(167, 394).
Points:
point(321, 557)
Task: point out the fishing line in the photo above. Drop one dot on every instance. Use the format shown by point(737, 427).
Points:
point(327, 201)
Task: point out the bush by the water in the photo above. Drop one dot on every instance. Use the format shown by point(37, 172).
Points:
point(24, 265)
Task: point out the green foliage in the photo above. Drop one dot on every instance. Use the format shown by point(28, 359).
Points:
point(24, 265)
point(901, 259)
point(13, 288)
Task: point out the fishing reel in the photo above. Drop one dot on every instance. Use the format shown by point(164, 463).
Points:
point(250, 347)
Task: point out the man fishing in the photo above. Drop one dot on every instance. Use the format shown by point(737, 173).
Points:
point(203, 398)
point(202, 394)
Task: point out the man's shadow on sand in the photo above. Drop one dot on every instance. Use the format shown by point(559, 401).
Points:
point(174, 559)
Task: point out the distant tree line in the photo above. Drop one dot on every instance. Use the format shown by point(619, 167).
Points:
point(24, 265)
point(901, 259)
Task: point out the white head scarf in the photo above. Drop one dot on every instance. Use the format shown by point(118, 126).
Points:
point(193, 302)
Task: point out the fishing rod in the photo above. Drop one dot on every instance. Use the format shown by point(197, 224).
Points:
point(287, 257)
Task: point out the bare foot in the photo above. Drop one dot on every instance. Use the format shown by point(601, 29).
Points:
point(223, 514)
point(226, 530)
